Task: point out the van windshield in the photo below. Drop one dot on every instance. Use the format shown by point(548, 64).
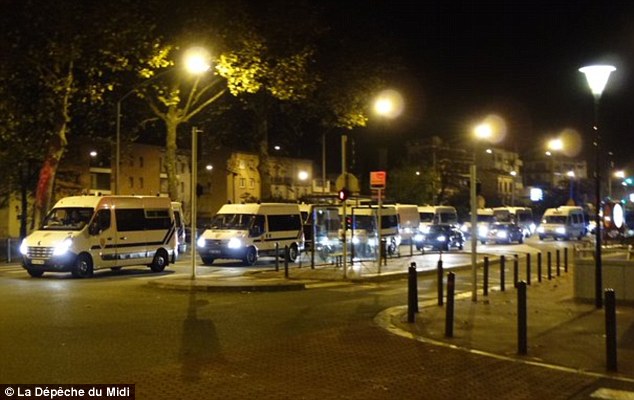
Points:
point(485, 218)
point(426, 217)
point(365, 222)
point(67, 219)
point(554, 219)
point(232, 221)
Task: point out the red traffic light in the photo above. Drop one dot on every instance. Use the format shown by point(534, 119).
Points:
point(343, 194)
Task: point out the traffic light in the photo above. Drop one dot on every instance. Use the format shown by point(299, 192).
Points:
point(343, 194)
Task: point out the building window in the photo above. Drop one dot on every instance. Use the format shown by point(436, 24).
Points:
point(99, 181)
point(131, 180)
point(252, 183)
point(141, 162)
point(164, 185)
point(182, 187)
point(243, 183)
point(141, 182)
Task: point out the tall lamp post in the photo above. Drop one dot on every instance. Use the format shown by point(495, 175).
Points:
point(597, 77)
point(482, 131)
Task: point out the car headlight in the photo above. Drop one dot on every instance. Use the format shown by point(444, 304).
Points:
point(561, 230)
point(24, 249)
point(501, 234)
point(464, 228)
point(62, 247)
point(425, 229)
point(234, 243)
point(540, 229)
point(200, 242)
point(532, 227)
point(419, 237)
point(441, 238)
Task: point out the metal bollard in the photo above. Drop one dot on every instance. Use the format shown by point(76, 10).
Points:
point(412, 293)
point(286, 261)
point(449, 311)
point(610, 330)
point(565, 259)
point(515, 270)
point(558, 263)
point(549, 266)
point(539, 267)
point(522, 340)
point(502, 268)
point(277, 257)
point(9, 250)
point(411, 247)
point(528, 269)
point(485, 277)
point(312, 255)
point(439, 282)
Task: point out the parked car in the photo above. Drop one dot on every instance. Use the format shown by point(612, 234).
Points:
point(505, 232)
point(440, 237)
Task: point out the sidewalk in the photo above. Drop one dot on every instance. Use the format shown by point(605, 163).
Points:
point(562, 333)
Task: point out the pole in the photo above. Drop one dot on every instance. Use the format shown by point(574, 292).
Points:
point(117, 160)
point(194, 172)
point(380, 258)
point(598, 281)
point(344, 260)
point(323, 163)
point(474, 234)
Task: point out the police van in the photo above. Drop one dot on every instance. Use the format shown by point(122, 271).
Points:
point(181, 235)
point(362, 229)
point(521, 216)
point(565, 222)
point(432, 215)
point(248, 231)
point(82, 234)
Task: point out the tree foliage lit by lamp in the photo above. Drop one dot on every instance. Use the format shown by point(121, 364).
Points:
point(597, 77)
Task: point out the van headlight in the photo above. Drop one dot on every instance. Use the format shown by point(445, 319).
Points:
point(200, 242)
point(540, 229)
point(501, 234)
point(24, 249)
point(234, 243)
point(561, 230)
point(62, 247)
point(441, 238)
point(483, 231)
point(355, 240)
point(419, 237)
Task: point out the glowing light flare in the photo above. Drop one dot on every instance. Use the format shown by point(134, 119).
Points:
point(197, 60)
point(619, 174)
point(302, 175)
point(389, 104)
point(492, 129)
point(597, 77)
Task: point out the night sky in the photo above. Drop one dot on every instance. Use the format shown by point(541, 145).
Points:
point(517, 59)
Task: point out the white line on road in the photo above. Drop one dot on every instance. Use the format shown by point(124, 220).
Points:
point(612, 394)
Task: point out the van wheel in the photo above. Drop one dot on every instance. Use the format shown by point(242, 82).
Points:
point(35, 273)
point(207, 260)
point(160, 261)
point(541, 237)
point(83, 267)
point(250, 257)
point(293, 253)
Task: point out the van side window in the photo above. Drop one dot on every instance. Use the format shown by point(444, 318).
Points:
point(389, 221)
point(130, 219)
point(284, 222)
point(102, 220)
point(258, 226)
point(157, 219)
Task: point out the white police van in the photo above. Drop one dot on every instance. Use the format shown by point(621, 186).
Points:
point(248, 231)
point(82, 234)
point(565, 222)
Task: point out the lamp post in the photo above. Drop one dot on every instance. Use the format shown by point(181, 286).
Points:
point(571, 176)
point(617, 174)
point(597, 77)
point(482, 131)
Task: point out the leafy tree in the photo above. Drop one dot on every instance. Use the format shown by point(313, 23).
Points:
point(411, 185)
point(63, 55)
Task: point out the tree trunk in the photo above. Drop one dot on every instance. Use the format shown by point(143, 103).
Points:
point(263, 166)
point(46, 180)
point(171, 123)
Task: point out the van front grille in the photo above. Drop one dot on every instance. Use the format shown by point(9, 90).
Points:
point(40, 252)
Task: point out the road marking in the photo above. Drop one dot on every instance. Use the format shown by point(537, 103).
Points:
point(612, 394)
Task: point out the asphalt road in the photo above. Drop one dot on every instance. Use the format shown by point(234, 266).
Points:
point(316, 344)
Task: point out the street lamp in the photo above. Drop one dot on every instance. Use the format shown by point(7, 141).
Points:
point(597, 77)
point(481, 131)
point(571, 175)
point(196, 61)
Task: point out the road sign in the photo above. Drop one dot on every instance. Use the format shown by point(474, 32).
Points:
point(377, 179)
